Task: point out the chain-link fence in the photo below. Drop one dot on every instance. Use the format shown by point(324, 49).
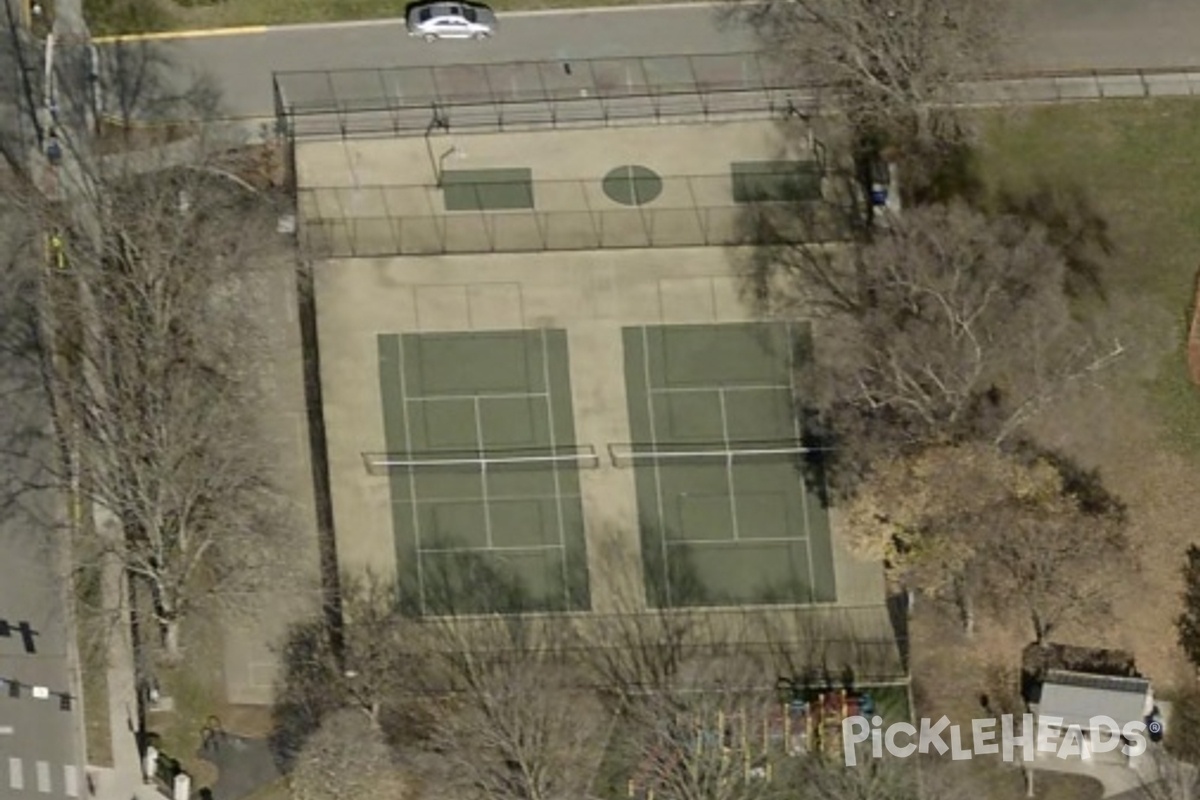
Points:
point(530, 94)
point(1082, 85)
point(691, 211)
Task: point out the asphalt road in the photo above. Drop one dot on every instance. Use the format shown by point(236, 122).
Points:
point(40, 743)
point(1108, 34)
point(39, 740)
point(1049, 34)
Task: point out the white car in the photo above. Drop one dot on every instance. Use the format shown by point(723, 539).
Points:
point(443, 20)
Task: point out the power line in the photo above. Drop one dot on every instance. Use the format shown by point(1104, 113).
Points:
point(15, 690)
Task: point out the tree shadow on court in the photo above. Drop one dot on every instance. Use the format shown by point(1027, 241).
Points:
point(676, 582)
point(452, 578)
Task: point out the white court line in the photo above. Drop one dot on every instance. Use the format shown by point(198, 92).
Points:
point(658, 486)
point(733, 512)
point(754, 541)
point(43, 777)
point(485, 396)
point(412, 475)
point(437, 500)
point(16, 774)
point(483, 477)
point(558, 502)
point(749, 387)
point(500, 548)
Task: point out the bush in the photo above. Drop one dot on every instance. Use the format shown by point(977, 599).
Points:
point(1182, 738)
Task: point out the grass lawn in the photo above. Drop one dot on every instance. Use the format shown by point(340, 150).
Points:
point(112, 17)
point(196, 688)
point(1136, 162)
point(95, 711)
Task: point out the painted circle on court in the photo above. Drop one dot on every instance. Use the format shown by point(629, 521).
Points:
point(632, 185)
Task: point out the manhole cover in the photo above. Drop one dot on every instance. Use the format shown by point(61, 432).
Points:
point(632, 185)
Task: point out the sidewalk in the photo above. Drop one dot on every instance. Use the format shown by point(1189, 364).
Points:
point(109, 785)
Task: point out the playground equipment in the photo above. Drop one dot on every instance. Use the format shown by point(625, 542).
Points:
point(741, 745)
point(821, 714)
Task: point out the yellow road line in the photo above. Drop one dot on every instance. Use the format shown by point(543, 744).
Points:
point(196, 34)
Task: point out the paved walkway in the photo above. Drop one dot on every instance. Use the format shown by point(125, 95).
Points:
point(243, 765)
point(108, 784)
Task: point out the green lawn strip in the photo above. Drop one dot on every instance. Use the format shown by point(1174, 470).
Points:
point(98, 738)
point(179, 730)
point(1136, 162)
point(891, 702)
point(123, 17)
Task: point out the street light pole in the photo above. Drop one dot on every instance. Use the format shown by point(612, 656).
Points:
point(441, 167)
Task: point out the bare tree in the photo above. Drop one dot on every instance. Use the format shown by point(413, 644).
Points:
point(948, 323)
point(348, 757)
point(1165, 777)
point(1058, 563)
point(479, 705)
point(517, 717)
point(705, 745)
point(975, 524)
point(152, 314)
point(379, 668)
point(891, 67)
point(523, 728)
point(632, 649)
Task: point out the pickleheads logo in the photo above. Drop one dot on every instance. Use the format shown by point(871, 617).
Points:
point(1033, 735)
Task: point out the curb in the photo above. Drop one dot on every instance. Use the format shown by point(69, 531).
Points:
point(195, 34)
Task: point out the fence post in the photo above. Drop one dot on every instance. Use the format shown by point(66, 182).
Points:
point(696, 211)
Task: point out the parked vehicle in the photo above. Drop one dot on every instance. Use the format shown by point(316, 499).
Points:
point(448, 20)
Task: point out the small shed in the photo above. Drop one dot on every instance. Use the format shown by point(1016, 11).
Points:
point(1077, 697)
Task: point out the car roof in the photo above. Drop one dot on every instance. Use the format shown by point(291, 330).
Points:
point(448, 6)
point(442, 8)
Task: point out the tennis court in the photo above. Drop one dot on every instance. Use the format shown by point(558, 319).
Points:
point(727, 495)
point(483, 470)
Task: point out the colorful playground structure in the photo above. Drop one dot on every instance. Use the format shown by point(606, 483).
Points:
point(744, 743)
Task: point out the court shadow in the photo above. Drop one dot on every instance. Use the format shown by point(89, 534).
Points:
point(453, 578)
point(679, 582)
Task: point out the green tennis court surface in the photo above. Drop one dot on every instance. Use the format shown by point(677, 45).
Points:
point(733, 522)
point(483, 532)
point(487, 189)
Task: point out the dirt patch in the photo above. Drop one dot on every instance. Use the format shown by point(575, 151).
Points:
point(1108, 429)
point(966, 678)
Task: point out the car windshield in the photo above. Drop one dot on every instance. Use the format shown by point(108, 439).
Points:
point(470, 14)
point(426, 14)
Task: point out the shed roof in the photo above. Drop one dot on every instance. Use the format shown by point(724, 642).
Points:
point(1076, 697)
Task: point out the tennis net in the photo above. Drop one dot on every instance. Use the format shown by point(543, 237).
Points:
point(709, 453)
point(572, 457)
